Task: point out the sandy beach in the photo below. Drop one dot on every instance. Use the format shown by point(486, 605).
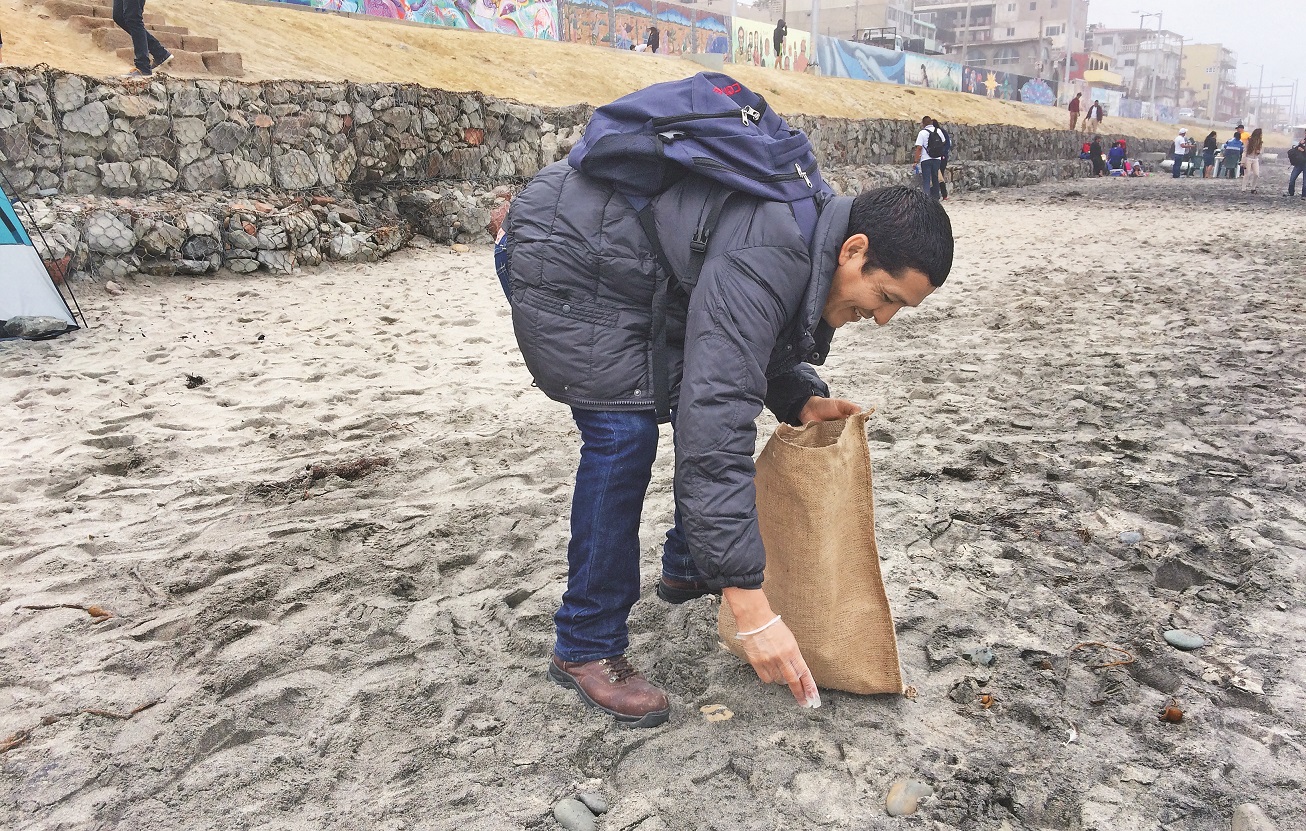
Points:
point(321, 521)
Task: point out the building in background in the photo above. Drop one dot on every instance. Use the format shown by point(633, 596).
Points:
point(1149, 61)
point(862, 21)
point(1028, 37)
point(1208, 82)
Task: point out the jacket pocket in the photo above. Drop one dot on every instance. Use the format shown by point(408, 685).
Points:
point(585, 312)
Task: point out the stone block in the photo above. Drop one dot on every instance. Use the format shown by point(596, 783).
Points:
point(111, 38)
point(91, 119)
point(118, 177)
point(245, 174)
point(184, 61)
point(295, 170)
point(224, 63)
point(87, 23)
point(199, 43)
point(69, 92)
point(170, 41)
point(278, 262)
point(154, 174)
point(107, 234)
point(227, 137)
point(188, 130)
point(172, 30)
point(206, 174)
point(64, 9)
point(201, 224)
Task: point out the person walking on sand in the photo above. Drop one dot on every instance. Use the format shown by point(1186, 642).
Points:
point(149, 53)
point(1297, 158)
point(1093, 120)
point(1252, 158)
point(927, 155)
point(943, 162)
point(742, 335)
point(1181, 143)
point(1074, 109)
point(1208, 155)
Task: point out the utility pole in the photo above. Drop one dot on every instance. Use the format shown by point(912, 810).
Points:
point(1259, 84)
point(965, 38)
point(816, 28)
point(1064, 87)
point(1156, 64)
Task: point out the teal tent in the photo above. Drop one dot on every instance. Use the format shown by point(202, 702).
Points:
point(26, 290)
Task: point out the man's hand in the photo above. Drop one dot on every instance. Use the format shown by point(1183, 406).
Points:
point(827, 409)
point(772, 650)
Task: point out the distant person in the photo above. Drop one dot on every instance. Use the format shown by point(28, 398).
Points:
point(1074, 109)
point(778, 38)
point(150, 54)
point(1097, 157)
point(927, 154)
point(1239, 134)
point(652, 40)
point(1208, 155)
point(1297, 158)
point(1252, 160)
point(1116, 156)
point(1181, 143)
point(943, 162)
point(1093, 121)
point(1233, 153)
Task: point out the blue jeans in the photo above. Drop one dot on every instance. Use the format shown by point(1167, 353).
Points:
point(130, 17)
point(930, 176)
point(1297, 170)
point(1178, 165)
point(616, 463)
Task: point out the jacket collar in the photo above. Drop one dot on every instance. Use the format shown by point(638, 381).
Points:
point(831, 231)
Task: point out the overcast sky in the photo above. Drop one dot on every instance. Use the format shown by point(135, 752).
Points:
point(1269, 32)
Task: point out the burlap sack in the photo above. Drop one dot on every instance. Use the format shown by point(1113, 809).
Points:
point(815, 509)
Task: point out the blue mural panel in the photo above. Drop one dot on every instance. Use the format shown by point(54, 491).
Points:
point(844, 59)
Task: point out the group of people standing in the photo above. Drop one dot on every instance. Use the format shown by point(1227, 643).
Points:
point(1239, 157)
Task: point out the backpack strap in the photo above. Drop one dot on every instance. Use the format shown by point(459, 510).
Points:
point(661, 369)
point(698, 243)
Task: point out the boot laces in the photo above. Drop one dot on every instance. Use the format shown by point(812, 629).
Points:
point(619, 669)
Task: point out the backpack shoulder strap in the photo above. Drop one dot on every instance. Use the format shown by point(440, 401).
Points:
point(661, 368)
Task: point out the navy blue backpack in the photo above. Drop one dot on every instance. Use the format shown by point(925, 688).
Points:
point(712, 125)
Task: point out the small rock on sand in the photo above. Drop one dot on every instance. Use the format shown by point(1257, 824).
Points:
point(1184, 639)
point(904, 796)
point(574, 816)
point(1248, 817)
point(595, 802)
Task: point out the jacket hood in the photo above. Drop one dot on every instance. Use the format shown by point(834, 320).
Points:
point(831, 232)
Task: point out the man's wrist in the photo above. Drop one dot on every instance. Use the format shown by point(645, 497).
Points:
point(749, 606)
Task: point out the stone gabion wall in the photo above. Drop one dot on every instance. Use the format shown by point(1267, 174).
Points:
point(72, 135)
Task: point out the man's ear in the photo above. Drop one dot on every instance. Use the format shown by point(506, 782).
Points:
point(854, 246)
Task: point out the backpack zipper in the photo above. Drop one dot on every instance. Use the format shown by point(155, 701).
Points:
point(748, 114)
point(799, 172)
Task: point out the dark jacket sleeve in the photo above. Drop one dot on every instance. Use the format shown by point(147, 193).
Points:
point(788, 392)
point(736, 315)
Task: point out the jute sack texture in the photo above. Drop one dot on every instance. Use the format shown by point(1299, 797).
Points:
point(815, 509)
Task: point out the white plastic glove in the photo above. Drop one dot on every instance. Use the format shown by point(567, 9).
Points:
point(774, 655)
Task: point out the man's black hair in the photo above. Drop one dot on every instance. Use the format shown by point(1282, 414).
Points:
point(906, 229)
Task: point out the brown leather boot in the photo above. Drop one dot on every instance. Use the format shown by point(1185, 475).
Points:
point(675, 591)
point(615, 687)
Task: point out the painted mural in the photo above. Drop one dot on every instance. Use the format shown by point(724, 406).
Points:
point(508, 17)
point(844, 59)
point(623, 24)
point(931, 72)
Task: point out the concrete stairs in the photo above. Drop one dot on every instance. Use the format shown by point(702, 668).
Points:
point(193, 54)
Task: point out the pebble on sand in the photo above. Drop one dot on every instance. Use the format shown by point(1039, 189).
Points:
point(1131, 537)
point(1185, 639)
point(1249, 817)
point(904, 796)
point(574, 816)
point(595, 802)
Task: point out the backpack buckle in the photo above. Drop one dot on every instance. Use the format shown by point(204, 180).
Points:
point(669, 136)
point(698, 243)
point(749, 114)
